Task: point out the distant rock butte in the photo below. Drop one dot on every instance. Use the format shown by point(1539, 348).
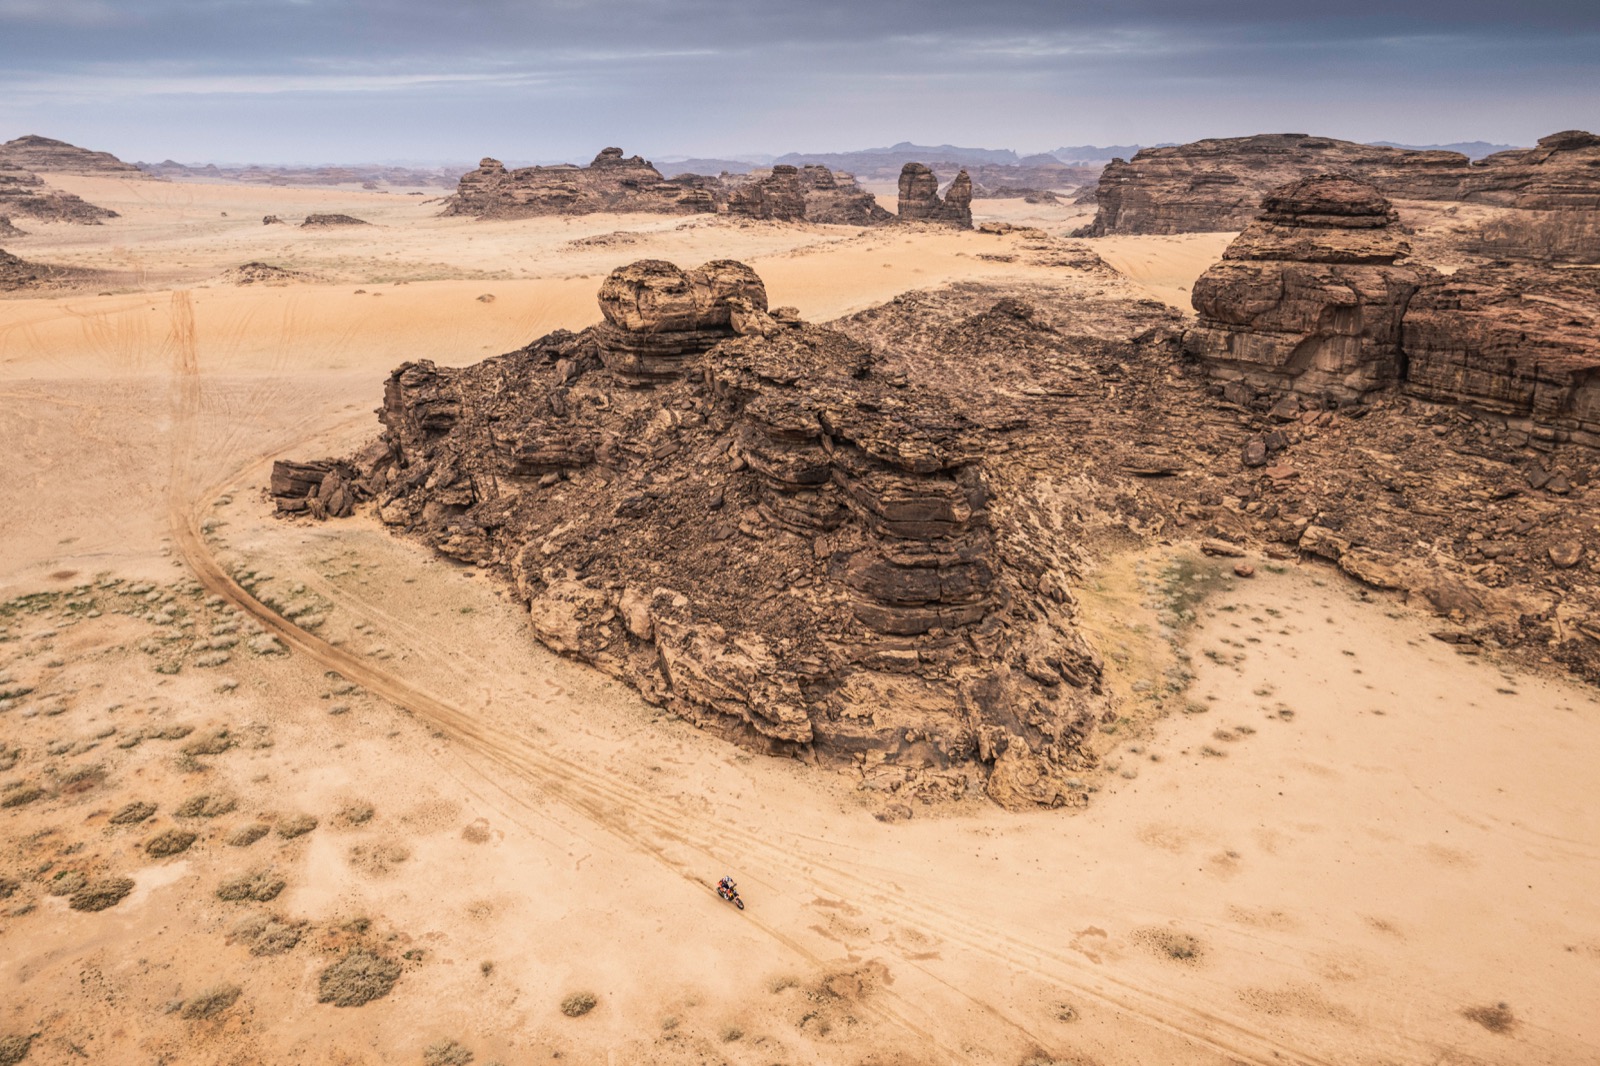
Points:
point(611, 182)
point(1312, 298)
point(920, 200)
point(1215, 185)
point(45, 156)
point(812, 193)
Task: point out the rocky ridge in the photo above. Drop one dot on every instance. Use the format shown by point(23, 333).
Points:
point(41, 155)
point(611, 182)
point(1215, 185)
point(24, 193)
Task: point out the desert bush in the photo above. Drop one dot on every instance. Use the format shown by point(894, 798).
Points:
point(1496, 1019)
point(360, 977)
point(206, 805)
point(133, 814)
point(356, 814)
point(66, 882)
point(13, 1049)
point(172, 842)
point(446, 1053)
point(259, 885)
point(98, 895)
point(246, 835)
point(211, 744)
point(21, 796)
point(269, 935)
point(296, 826)
point(8, 887)
point(578, 1004)
point(211, 1002)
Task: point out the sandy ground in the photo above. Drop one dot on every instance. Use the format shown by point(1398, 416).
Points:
point(1360, 847)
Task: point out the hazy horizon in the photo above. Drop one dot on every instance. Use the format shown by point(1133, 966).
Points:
point(336, 80)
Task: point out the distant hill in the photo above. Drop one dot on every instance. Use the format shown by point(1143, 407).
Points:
point(41, 155)
point(1470, 149)
point(885, 163)
point(712, 167)
point(1089, 154)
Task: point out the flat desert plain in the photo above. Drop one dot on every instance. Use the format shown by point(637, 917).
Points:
point(285, 791)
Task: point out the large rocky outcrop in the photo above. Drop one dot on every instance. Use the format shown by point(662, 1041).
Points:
point(1309, 297)
point(19, 274)
point(41, 155)
point(1214, 185)
point(775, 529)
point(920, 200)
point(1513, 340)
point(811, 193)
point(25, 193)
point(612, 182)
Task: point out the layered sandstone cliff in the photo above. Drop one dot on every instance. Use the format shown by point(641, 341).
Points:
point(812, 193)
point(612, 182)
point(920, 200)
point(1309, 296)
point(1215, 185)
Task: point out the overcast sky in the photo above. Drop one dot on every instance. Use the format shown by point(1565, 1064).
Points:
point(451, 80)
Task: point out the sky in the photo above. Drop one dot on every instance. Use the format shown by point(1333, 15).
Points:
point(435, 81)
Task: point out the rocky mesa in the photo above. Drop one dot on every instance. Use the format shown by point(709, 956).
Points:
point(612, 182)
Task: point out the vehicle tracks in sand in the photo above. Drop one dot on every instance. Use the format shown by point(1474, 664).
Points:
point(643, 822)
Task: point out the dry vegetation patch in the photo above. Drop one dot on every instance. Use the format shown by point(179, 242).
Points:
point(206, 805)
point(99, 895)
point(133, 814)
point(262, 886)
point(211, 1002)
point(172, 842)
point(578, 1004)
point(246, 835)
point(360, 977)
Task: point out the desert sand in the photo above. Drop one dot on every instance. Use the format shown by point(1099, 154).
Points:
point(1359, 847)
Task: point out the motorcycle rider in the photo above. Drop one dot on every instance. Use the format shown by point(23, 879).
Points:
point(725, 888)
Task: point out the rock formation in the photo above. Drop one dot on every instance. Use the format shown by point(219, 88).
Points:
point(773, 528)
point(25, 193)
point(1516, 341)
point(611, 182)
point(7, 229)
point(1311, 299)
point(1214, 185)
point(920, 200)
point(330, 220)
point(812, 193)
point(18, 274)
point(1309, 296)
point(41, 155)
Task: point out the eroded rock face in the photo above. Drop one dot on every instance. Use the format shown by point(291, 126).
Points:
point(782, 532)
point(812, 193)
point(1309, 296)
point(920, 200)
point(1214, 185)
point(612, 182)
point(7, 229)
point(1516, 341)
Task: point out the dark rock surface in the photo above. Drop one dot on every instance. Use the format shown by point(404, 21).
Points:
point(19, 275)
point(1517, 341)
point(612, 182)
point(312, 221)
point(920, 200)
point(7, 229)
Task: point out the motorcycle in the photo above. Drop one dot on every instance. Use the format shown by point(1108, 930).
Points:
point(731, 894)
